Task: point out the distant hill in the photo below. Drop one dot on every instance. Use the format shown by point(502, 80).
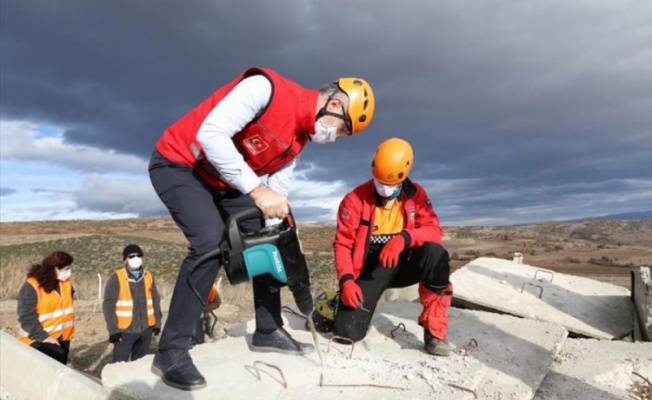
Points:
point(641, 215)
point(633, 216)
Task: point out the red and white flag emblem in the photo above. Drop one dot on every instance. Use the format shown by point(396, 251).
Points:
point(255, 144)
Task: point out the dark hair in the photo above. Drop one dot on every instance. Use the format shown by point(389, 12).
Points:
point(45, 273)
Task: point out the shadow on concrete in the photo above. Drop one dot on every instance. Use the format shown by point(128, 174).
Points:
point(294, 319)
point(142, 391)
point(265, 375)
point(570, 388)
point(404, 337)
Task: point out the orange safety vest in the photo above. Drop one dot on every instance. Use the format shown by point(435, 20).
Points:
point(124, 307)
point(55, 312)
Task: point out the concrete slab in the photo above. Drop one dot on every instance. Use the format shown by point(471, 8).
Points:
point(27, 374)
point(378, 361)
point(584, 306)
point(642, 297)
point(380, 366)
point(589, 369)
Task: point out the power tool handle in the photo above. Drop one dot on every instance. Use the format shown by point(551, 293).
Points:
point(234, 223)
point(245, 215)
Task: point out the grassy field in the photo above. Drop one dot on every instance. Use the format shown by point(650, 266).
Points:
point(596, 248)
point(604, 250)
point(589, 248)
point(101, 254)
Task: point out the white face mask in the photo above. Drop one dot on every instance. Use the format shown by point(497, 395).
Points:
point(388, 191)
point(64, 275)
point(135, 262)
point(323, 134)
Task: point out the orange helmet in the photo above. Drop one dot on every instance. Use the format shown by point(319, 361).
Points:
point(393, 161)
point(361, 102)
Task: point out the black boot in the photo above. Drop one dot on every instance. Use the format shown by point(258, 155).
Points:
point(434, 346)
point(279, 341)
point(176, 369)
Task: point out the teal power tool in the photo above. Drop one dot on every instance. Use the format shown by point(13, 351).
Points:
point(274, 250)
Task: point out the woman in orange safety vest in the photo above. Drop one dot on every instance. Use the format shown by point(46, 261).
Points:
point(45, 310)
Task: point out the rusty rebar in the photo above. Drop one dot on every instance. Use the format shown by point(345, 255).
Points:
point(475, 395)
point(322, 384)
point(285, 383)
point(345, 339)
point(644, 393)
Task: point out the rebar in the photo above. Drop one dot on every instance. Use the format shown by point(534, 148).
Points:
point(345, 339)
point(643, 393)
point(475, 395)
point(284, 382)
point(472, 344)
point(322, 384)
point(397, 327)
point(552, 274)
point(539, 286)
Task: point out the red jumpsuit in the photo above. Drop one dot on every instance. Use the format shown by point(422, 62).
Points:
point(423, 261)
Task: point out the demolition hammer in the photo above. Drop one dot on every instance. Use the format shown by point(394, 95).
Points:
point(274, 250)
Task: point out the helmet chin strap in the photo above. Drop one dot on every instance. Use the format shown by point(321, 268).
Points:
point(323, 112)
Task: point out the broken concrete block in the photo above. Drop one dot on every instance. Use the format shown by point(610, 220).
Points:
point(511, 358)
point(642, 297)
point(589, 369)
point(516, 352)
point(585, 307)
point(26, 373)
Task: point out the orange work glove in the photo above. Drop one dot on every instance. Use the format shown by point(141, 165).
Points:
point(351, 294)
point(389, 254)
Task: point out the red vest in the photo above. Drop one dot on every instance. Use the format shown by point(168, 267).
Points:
point(267, 144)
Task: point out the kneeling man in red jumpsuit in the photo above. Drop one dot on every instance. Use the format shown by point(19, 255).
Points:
point(388, 236)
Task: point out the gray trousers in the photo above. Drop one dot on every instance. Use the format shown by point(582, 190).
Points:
point(135, 345)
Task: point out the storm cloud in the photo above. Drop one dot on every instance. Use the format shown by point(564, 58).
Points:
point(517, 111)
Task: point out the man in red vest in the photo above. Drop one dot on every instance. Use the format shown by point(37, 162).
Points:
point(208, 165)
point(388, 236)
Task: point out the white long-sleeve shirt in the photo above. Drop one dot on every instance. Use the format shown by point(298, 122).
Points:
point(229, 117)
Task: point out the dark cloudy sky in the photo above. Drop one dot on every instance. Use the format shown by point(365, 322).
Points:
point(518, 111)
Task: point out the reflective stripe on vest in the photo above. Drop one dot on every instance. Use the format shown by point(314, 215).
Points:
point(55, 310)
point(124, 307)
